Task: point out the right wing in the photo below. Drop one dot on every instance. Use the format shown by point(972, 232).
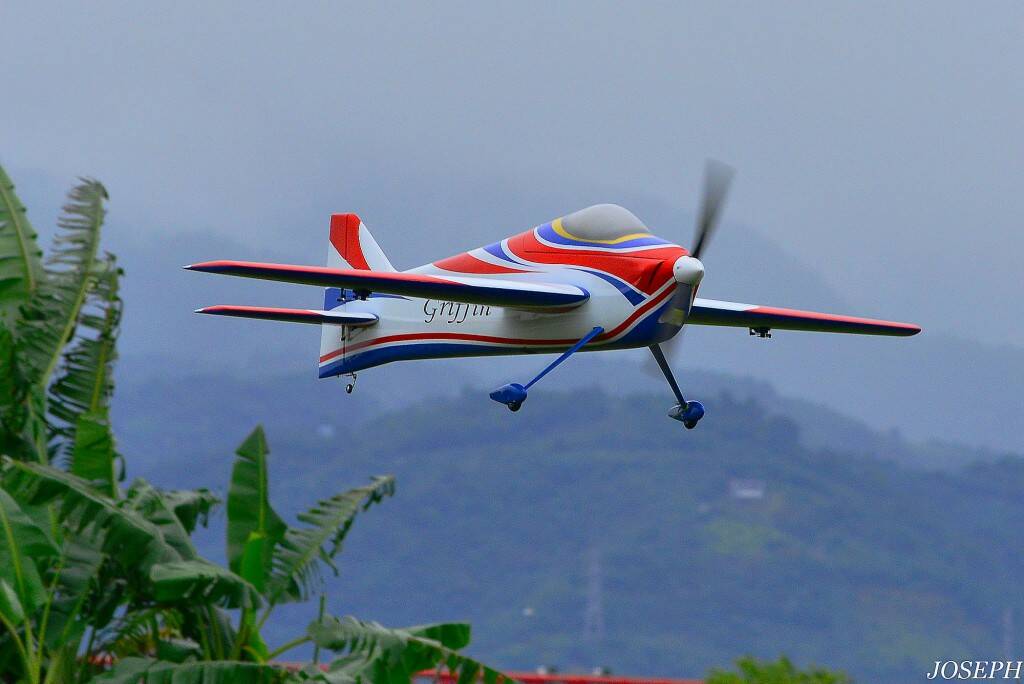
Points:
point(713, 312)
point(472, 290)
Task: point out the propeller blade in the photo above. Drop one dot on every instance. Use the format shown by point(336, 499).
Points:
point(717, 177)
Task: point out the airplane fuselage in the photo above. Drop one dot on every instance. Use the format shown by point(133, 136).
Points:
point(627, 298)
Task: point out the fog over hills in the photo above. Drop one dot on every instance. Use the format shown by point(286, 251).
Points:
point(933, 386)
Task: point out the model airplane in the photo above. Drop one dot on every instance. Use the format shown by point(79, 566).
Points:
point(595, 280)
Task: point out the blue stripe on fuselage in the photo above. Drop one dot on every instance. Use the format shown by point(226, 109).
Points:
point(635, 298)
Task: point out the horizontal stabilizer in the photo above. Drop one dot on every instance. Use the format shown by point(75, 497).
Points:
point(488, 291)
point(355, 318)
point(712, 312)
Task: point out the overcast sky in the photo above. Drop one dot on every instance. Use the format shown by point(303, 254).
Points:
point(882, 144)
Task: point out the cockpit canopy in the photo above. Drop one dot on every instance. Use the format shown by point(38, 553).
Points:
point(602, 223)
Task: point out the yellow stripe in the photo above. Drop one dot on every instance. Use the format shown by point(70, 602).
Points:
point(557, 226)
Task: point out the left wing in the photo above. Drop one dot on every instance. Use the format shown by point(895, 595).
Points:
point(713, 312)
point(353, 319)
point(489, 291)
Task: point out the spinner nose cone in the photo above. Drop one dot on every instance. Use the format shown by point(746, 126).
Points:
point(688, 270)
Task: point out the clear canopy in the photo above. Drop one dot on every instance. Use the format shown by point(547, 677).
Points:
point(603, 222)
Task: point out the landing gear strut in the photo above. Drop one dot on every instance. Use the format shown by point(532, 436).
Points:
point(513, 394)
point(688, 413)
point(352, 384)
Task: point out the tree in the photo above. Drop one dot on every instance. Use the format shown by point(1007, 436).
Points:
point(100, 581)
point(781, 671)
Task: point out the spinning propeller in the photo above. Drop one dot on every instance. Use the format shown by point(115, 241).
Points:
point(717, 178)
point(688, 272)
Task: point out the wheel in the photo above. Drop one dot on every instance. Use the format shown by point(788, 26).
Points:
point(349, 387)
point(514, 406)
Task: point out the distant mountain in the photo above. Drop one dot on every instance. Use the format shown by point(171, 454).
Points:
point(747, 535)
point(930, 387)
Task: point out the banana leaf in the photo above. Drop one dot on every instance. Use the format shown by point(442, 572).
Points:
point(192, 507)
point(296, 558)
point(20, 267)
point(199, 581)
point(152, 505)
point(80, 398)
point(25, 553)
point(378, 654)
point(82, 597)
point(250, 515)
point(126, 535)
point(151, 671)
point(49, 318)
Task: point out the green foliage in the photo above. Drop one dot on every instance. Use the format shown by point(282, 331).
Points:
point(781, 671)
point(126, 533)
point(151, 503)
point(23, 544)
point(80, 397)
point(20, 267)
point(38, 622)
point(254, 528)
point(42, 308)
point(381, 655)
point(154, 671)
point(296, 559)
point(199, 581)
point(51, 316)
point(87, 570)
point(191, 506)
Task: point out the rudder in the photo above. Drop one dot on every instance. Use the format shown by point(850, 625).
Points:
point(352, 246)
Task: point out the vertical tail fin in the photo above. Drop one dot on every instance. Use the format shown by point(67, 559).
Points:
point(350, 246)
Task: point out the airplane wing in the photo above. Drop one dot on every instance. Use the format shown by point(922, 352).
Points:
point(713, 312)
point(349, 318)
point(487, 291)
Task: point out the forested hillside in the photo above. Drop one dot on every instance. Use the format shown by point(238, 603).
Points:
point(690, 547)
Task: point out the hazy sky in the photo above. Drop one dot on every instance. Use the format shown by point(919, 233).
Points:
point(880, 143)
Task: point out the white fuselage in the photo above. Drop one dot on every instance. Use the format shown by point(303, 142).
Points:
point(410, 328)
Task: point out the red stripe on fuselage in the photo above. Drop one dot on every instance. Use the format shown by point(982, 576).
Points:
point(644, 269)
point(467, 263)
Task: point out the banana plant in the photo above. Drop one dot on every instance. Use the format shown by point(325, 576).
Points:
point(284, 564)
point(41, 309)
point(53, 315)
point(59, 322)
point(109, 554)
point(280, 564)
point(100, 581)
